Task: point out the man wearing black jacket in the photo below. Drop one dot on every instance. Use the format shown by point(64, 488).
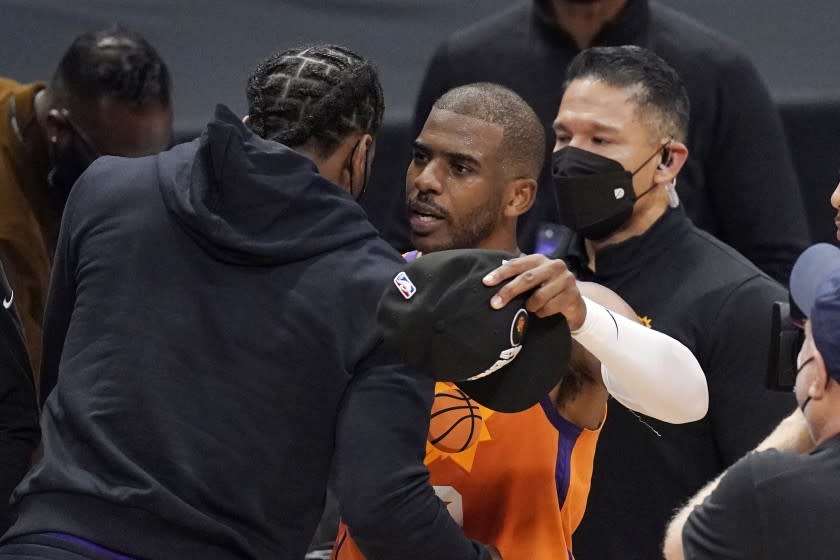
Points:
point(738, 182)
point(619, 144)
point(19, 431)
point(211, 346)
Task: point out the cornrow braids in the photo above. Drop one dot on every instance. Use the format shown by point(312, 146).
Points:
point(319, 93)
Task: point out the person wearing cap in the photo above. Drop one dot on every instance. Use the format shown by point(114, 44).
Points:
point(620, 135)
point(523, 485)
point(783, 500)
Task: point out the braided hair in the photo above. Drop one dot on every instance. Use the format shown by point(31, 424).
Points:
point(314, 94)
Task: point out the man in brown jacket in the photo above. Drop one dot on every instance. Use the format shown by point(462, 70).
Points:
point(109, 96)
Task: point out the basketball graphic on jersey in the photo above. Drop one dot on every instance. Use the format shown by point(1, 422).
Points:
point(456, 421)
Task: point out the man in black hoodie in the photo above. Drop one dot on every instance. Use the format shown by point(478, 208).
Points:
point(211, 347)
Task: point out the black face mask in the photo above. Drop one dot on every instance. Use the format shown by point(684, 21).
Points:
point(595, 193)
point(70, 161)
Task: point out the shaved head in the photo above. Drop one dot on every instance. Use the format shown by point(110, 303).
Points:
point(523, 142)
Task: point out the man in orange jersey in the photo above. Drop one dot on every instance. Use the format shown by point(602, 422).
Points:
point(522, 486)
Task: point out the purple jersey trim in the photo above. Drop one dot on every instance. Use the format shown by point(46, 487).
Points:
point(90, 545)
point(566, 439)
point(411, 256)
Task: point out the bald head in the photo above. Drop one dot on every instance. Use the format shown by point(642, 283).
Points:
point(523, 142)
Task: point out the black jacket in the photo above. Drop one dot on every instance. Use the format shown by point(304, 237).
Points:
point(19, 431)
point(211, 335)
point(738, 183)
point(687, 284)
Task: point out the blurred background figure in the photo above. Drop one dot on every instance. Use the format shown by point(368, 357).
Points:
point(19, 432)
point(110, 95)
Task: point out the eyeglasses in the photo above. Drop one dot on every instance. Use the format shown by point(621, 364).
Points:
point(90, 147)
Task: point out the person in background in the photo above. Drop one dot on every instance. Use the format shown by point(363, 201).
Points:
point(19, 432)
point(110, 95)
point(620, 143)
point(738, 182)
point(781, 501)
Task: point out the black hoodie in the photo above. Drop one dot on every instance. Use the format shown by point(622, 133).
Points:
point(211, 337)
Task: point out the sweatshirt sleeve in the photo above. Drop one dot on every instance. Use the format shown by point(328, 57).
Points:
point(645, 370)
point(61, 299)
point(383, 487)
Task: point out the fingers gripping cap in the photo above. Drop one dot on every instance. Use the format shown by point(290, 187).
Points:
point(436, 315)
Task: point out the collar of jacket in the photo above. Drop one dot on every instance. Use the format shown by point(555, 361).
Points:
point(622, 258)
point(630, 26)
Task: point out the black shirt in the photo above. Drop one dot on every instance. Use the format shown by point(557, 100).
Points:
point(19, 433)
point(738, 183)
point(689, 285)
point(771, 505)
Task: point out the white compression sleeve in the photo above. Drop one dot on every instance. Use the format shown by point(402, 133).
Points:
point(645, 370)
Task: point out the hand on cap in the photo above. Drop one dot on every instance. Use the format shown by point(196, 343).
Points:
point(555, 288)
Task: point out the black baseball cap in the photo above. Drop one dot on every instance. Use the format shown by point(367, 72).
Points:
point(436, 315)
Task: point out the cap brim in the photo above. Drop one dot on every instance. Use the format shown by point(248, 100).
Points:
point(812, 267)
point(542, 364)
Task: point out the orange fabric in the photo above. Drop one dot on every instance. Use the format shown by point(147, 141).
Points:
point(28, 225)
point(503, 490)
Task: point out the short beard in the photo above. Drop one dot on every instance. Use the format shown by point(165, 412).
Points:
point(473, 229)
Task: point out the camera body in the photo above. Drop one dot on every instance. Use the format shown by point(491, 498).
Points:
point(786, 338)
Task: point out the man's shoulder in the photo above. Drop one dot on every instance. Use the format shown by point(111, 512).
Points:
point(682, 38)
point(723, 264)
point(110, 177)
point(496, 28)
point(112, 186)
point(372, 263)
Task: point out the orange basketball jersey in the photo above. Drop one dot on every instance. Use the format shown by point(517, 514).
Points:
point(522, 486)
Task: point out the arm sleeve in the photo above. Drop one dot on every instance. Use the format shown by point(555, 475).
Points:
point(752, 183)
point(19, 432)
point(744, 410)
point(726, 524)
point(645, 370)
point(383, 487)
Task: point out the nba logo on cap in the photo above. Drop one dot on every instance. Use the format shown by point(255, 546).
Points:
point(405, 285)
